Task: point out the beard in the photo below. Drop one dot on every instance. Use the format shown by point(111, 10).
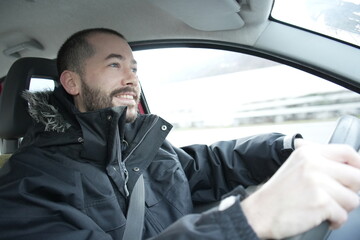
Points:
point(95, 99)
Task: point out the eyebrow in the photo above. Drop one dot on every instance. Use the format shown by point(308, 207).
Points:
point(118, 56)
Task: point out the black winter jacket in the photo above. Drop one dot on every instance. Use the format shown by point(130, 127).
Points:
point(72, 177)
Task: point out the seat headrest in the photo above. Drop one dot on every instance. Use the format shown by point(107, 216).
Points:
point(14, 117)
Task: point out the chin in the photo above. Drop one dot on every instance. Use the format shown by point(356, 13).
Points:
point(131, 115)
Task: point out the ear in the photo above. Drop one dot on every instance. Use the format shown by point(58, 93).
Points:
point(71, 82)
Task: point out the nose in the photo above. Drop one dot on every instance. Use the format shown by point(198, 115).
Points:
point(130, 77)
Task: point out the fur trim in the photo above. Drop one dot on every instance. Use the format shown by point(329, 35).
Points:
point(43, 112)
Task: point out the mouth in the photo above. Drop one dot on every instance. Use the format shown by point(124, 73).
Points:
point(125, 96)
point(125, 99)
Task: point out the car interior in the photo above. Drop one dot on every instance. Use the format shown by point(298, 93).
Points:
point(32, 31)
point(15, 119)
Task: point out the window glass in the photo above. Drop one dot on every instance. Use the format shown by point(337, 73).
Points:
point(210, 95)
point(336, 18)
point(41, 84)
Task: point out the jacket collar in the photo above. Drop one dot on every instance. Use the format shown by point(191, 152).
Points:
point(100, 132)
point(59, 122)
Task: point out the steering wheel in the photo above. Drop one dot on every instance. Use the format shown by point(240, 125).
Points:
point(346, 132)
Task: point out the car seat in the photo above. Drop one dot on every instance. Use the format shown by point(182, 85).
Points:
point(14, 117)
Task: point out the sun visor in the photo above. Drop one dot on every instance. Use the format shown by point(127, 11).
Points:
point(205, 15)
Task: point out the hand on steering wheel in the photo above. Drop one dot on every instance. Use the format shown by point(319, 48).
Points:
point(315, 184)
point(346, 132)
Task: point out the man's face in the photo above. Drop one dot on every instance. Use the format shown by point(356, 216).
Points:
point(109, 77)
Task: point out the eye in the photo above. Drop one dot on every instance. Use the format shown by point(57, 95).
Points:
point(134, 70)
point(114, 65)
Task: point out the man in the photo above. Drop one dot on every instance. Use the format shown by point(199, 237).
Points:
point(78, 164)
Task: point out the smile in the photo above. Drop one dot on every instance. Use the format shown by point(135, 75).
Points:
point(125, 96)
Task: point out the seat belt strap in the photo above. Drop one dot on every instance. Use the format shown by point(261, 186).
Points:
point(136, 212)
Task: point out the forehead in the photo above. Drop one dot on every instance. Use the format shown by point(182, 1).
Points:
point(106, 44)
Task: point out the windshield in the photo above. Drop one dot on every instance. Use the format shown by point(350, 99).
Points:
point(336, 18)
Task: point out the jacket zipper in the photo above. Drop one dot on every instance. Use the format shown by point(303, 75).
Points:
point(122, 164)
point(126, 173)
point(142, 139)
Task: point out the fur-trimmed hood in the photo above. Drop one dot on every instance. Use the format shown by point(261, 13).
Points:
point(43, 112)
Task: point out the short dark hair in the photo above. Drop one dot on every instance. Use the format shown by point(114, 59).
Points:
point(76, 49)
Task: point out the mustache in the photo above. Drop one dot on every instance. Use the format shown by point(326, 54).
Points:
point(126, 90)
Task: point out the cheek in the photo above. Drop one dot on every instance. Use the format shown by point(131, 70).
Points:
point(98, 79)
point(104, 87)
point(138, 88)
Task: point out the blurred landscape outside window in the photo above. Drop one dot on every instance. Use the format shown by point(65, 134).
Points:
point(210, 95)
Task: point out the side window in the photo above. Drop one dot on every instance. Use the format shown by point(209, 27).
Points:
point(41, 84)
point(211, 95)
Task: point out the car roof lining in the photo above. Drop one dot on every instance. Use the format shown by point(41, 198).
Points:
point(64, 19)
point(222, 15)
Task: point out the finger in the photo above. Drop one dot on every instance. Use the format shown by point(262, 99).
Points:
point(343, 196)
point(343, 153)
point(345, 174)
point(336, 215)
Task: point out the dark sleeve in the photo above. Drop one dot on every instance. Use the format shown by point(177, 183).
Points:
point(228, 224)
point(217, 169)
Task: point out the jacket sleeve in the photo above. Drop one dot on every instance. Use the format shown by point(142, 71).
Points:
point(215, 170)
point(213, 224)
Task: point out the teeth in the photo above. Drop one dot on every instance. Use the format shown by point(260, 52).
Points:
point(126, 96)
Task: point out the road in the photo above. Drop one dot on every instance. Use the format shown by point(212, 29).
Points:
point(315, 131)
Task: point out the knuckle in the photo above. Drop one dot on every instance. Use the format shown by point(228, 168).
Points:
point(342, 218)
point(354, 202)
point(324, 202)
point(348, 151)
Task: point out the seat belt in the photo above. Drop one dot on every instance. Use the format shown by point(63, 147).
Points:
point(136, 212)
